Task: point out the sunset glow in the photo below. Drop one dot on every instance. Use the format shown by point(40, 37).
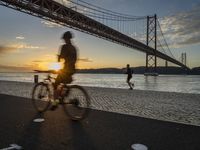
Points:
point(55, 66)
point(28, 43)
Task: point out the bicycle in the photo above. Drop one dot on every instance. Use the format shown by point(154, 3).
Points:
point(74, 98)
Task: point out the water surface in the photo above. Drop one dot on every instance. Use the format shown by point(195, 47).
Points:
point(172, 83)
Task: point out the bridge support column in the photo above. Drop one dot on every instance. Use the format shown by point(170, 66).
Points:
point(151, 59)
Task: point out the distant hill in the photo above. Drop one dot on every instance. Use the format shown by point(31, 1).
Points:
point(101, 70)
point(195, 70)
point(141, 70)
point(45, 71)
point(162, 70)
point(136, 70)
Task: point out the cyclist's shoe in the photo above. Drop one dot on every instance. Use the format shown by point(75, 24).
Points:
point(54, 104)
point(130, 88)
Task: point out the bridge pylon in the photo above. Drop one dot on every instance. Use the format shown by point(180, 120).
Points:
point(184, 58)
point(151, 40)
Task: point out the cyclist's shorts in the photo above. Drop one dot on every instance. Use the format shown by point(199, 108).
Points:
point(64, 77)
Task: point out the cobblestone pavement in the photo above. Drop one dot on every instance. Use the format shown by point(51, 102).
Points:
point(168, 106)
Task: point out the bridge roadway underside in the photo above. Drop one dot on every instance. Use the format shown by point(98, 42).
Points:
point(56, 12)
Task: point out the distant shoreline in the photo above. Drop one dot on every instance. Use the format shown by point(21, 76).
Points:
point(136, 70)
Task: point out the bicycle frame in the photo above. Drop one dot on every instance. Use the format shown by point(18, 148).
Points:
point(63, 86)
point(78, 108)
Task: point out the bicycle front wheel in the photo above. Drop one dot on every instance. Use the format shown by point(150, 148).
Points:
point(41, 97)
point(76, 103)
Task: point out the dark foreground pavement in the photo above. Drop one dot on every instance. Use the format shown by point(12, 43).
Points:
point(100, 131)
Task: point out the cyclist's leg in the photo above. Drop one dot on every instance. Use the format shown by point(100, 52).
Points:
point(57, 90)
point(66, 78)
point(56, 84)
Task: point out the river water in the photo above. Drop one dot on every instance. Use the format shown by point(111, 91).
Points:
point(171, 83)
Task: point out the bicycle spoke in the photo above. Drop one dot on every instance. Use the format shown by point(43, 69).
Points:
point(77, 103)
point(41, 97)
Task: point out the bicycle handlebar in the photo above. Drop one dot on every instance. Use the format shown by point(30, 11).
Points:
point(49, 77)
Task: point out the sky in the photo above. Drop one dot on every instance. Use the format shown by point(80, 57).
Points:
point(28, 43)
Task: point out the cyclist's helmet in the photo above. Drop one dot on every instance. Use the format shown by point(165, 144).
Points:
point(67, 35)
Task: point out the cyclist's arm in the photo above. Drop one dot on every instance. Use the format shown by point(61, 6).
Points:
point(58, 58)
point(61, 53)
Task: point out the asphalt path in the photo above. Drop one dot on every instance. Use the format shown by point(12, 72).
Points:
point(101, 130)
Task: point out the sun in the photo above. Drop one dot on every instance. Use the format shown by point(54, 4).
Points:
point(55, 66)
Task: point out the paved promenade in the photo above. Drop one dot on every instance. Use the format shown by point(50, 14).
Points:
point(167, 106)
point(100, 131)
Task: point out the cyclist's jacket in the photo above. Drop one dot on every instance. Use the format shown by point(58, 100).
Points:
point(69, 54)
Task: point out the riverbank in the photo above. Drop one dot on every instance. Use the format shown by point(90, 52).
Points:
point(167, 106)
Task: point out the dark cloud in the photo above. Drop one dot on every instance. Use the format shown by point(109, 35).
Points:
point(195, 39)
point(183, 28)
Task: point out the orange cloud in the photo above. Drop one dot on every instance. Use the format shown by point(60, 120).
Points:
point(6, 48)
point(14, 47)
point(4, 68)
point(85, 60)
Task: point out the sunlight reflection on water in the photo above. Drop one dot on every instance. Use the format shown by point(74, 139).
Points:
point(172, 83)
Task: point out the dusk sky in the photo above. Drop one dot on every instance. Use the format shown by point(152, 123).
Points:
point(28, 42)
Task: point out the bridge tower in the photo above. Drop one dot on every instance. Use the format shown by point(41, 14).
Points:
point(151, 40)
point(184, 58)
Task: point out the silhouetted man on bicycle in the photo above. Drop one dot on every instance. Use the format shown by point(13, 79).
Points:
point(69, 53)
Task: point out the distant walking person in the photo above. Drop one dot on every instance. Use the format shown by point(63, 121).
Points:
point(129, 73)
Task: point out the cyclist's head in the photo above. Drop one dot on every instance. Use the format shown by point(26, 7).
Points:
point(128, 65)
point(67, 35)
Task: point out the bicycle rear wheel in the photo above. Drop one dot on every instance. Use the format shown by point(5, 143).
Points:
point(41, 97)
point(76, 103)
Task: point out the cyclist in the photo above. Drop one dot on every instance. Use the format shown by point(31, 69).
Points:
point(69, 53)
